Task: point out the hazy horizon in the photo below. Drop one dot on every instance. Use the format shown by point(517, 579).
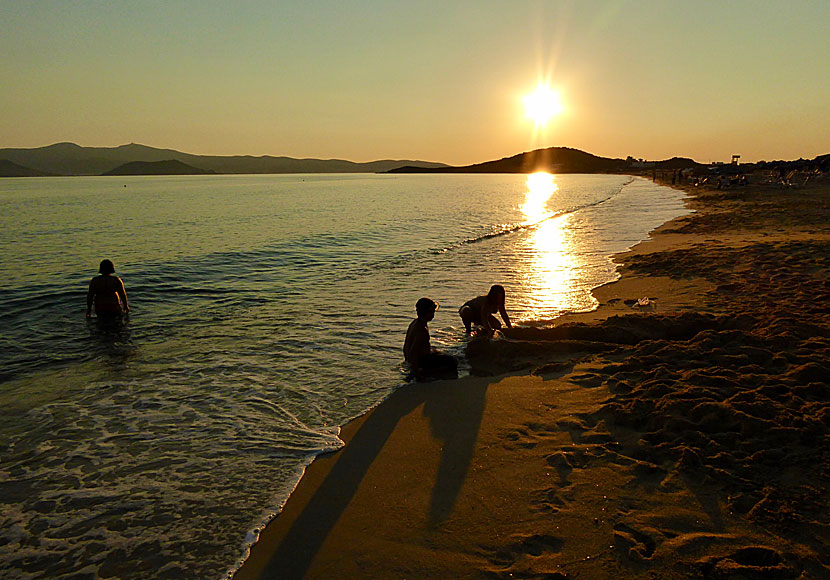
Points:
point(438, 82)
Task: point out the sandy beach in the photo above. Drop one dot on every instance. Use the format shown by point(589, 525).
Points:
point(681, 436)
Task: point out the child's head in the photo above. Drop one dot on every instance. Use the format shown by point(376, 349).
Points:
point(496, 294)
point(106, 267)
point(426, 308)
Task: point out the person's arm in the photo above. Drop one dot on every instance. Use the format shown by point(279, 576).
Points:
point(90, 295)
point(122, 293)
point(504, 316)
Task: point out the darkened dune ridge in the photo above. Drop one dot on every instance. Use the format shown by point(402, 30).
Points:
point(682, 436)
point(72, 159)
point(168, 167)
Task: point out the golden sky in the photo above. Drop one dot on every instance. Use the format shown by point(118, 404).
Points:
point(429, 80)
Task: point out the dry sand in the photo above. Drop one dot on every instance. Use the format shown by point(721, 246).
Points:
point(685, 438)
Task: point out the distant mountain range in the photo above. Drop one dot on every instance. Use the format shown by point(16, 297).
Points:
point(71, 159)
point(133, 159)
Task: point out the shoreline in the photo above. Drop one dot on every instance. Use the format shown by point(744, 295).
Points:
point(572, 451)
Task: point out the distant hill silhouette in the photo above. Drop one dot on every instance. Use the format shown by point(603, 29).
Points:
point(12, 169)
point(552, 159)
point(556, 160)
point(72, 159)
point(678, 163)
point(167, 167)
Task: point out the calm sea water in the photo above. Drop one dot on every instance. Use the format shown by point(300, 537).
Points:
point(267, 311)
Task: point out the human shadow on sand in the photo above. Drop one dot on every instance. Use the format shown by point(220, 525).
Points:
point(455, 410)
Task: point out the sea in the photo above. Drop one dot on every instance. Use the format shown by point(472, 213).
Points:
point(266, 312)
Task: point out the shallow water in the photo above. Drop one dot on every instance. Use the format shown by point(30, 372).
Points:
point(266, 312)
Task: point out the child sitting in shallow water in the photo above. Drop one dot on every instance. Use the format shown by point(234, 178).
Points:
point(423, 361)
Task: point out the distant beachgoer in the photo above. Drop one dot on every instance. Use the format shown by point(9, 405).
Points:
point(107, 293)
point(424, 361)
point(480, 310)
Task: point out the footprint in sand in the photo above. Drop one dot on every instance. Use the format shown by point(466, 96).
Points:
point(562, 463)
point(552, 499)
point(528, 435)
point(599, 433)
point(554, 369)
point(758, 562)
point(503, 559)
point(635, 544)
point(588, 380)
point(647, 474)
point(520, 438)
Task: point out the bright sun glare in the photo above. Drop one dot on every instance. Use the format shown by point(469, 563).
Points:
point(542, 104)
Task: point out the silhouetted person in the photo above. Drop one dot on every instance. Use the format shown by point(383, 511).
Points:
point(480, 310)
point(107, 293)
point(423, 361)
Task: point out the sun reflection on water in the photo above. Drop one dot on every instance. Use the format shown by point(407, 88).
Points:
point(549, 283)
point(540, 188)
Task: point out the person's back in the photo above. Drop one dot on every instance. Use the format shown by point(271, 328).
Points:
point(107, 293)
point(481, 303)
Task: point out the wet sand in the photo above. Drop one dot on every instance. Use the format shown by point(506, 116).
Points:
point(685, 437)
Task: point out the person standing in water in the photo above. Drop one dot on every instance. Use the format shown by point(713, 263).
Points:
point(107, 293)
point(423, 361)
point(480, 310)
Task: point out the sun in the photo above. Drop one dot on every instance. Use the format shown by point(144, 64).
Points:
point(542, 104)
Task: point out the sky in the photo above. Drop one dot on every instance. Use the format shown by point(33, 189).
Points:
point(430, 80)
